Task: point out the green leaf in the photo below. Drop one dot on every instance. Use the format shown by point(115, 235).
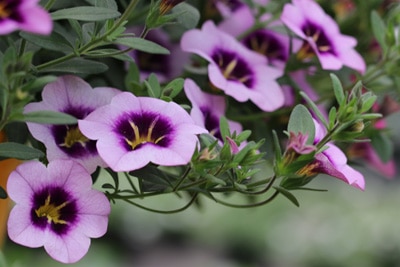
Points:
point(55, 41)
point(173, 88)
point(85, 13)
point(315, 109)
point(19, 151)
point(78, 65)
point(46, 117)
point(301, 121)
point(224, 127)
point(153, 86)
point(187, 15)
point(110, 4)
point(383, 146)
point(379, 29)
point(142, 45)
point(338, 90)
point(288, 195)
point(3, 193)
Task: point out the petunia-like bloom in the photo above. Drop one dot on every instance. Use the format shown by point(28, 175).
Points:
point(133, 131)
point(207, 109)
point(273, 45)
point(321, 36)
point(71, 95)
point(24, 15)
point(57, 208)
point(332, 161)
point(238, 71)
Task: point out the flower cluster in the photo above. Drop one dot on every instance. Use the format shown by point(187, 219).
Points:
point(196, 98)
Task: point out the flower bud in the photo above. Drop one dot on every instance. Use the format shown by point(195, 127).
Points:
point(167, 5)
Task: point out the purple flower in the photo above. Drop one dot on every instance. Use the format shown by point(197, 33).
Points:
point(57, 208)
point(265, 41)
point(71, 95)
point(321, 36)
point(298, 143)
point(133, 131)
point(332, 161)
point(166, 67)
point(207, 109)
point(367, 153)
point(238, 71)
point(25, 15)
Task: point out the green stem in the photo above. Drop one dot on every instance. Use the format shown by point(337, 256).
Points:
point(272, 197)
point(163, 211)
point(179, 183)
point(95, 42)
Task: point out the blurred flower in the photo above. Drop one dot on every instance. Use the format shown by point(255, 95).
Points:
point(332, 161)
point(238, 71)
point(228, 7)
point(265, 41)
point(24, 15)
point(321, 36)
point(133, 131)
point(165, 67)
point(56, 208)
point(366, 152)
point(207, 109)
point(71, 95)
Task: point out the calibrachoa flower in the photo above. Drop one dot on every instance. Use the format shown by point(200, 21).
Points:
point(332, 161)
point(321, 36)
point(24, 15)
point(265, 41)
point(207, 109)
point(57, 208)
point(133, 131)
point(71, 95)
point(238, 71)
point(165, 67)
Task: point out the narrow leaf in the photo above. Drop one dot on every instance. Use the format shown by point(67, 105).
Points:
point(142, 45)
point(78, 65)
point(85, 13)
point(379, 29)
point(19, 151)
point(46, 117)
point(338, 90)
point(55, 41)
point(288, 195)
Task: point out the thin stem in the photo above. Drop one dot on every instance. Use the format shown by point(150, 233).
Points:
point(131, 183)
point(163, 211)
point(95, 42)
point(179, 183)
point(272, 197)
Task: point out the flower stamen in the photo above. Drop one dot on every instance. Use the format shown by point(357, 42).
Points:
point(51, 211)
point(73, 136)
point(4, 12)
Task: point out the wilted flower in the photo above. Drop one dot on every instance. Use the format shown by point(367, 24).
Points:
point(238, 71)
point(321, 36)
point(167, 5)
point(133, 131)
point(332, 161)
point(71, 95)
point(24, 15)
point(57, 208)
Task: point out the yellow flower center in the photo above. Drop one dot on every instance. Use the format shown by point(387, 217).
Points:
point(74, 136)
point(51, 211)
point(141, 138)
